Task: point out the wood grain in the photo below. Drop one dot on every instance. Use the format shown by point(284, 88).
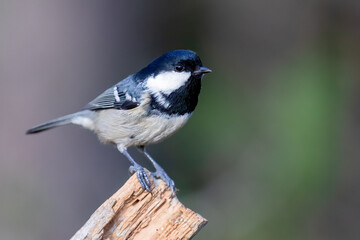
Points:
point(132, 213)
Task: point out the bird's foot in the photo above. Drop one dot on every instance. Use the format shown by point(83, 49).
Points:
point(142, 176)
point(160, 173)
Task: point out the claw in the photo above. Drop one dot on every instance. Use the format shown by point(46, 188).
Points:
point(160, 173)
point(142, 176)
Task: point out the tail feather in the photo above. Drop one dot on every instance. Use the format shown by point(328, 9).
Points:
point(55, 123)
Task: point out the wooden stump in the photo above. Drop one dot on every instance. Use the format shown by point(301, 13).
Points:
point(132, 213)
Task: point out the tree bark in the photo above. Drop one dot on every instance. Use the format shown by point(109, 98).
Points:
point(132, 213)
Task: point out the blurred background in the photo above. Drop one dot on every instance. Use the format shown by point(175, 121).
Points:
point(272, 151)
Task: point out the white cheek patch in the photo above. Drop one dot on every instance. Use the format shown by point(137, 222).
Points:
point(167, 82)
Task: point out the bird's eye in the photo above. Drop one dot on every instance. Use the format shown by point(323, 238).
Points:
point(179, 68)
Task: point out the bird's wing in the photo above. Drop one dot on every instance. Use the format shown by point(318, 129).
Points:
point(124, 95)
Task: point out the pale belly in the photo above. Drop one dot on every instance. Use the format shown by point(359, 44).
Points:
point(132, 128)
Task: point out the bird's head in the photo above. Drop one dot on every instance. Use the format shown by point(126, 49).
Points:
point(171, 71)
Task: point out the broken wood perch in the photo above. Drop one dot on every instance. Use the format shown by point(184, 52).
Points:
point(132, 213)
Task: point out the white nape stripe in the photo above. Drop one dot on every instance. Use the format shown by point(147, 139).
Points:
point(167, 82)
point(116, 94)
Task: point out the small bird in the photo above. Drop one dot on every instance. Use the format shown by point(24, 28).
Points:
point(142, 109)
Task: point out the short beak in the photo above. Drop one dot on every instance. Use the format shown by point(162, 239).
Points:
point(202, 70)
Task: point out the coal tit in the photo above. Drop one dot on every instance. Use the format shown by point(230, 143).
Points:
point(143, 108)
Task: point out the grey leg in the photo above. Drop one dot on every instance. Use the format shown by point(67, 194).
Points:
point(160, 172)
point(140, 172)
